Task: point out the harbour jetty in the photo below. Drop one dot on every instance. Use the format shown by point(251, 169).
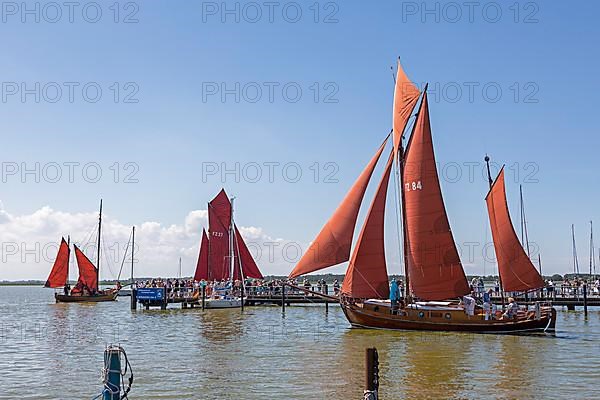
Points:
point(326, 293)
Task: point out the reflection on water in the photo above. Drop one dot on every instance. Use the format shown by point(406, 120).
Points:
point(51, 351)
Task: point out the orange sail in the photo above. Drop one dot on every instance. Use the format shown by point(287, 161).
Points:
point(367, 273)
point(406, 96)
point(434, 266)
point(202, 265)
point(60, 270)
point(243, 255)
point(88, 274)
point(332, 245)
point(516, 270)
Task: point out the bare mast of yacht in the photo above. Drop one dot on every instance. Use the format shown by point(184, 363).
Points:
point(231, 243)
point(99, 246)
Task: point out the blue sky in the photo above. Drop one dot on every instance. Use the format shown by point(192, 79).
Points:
point(543, 59)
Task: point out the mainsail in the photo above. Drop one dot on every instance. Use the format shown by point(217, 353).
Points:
point(219, 219)
point(214, 258)
point(60, 270)
point(88, 274)
point(516, 270)
point(367, 273)
point(333, 244)
point(202, 265)
point(433, 262)
point(406, 96)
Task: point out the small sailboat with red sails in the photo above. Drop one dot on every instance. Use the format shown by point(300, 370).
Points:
point(86, 289)
point(224, 259)
point(433, 271)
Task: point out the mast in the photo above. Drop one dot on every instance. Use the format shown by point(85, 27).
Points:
point(401, 161)
point(491, 182)
point(132, 251)
point(179, 267)
point(575, 260)
point(403, 219)
point(231, 244)
point(524, 234)
point(592, 258)
point(68, 257)
point(99, 233)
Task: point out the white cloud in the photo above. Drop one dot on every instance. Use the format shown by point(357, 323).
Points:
point(29, 244)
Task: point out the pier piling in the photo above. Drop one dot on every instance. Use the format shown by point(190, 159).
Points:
point(325, 290)
point(203, 297)
point(372, 374)
point(133, 298)
point(585, 304)
point(283, 298)
point(165, 301)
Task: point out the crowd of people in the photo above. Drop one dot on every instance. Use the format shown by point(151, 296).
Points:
point(252, 287)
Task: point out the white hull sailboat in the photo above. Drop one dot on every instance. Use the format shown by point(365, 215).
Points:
point(224, 258)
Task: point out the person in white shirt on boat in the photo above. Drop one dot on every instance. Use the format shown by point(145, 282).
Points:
point(469, 304)
point(511, 310)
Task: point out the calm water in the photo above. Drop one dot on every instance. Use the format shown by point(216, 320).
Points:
point(54, 351)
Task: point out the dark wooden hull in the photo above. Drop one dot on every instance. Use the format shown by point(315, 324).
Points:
point(110, 296)
point(366, 316)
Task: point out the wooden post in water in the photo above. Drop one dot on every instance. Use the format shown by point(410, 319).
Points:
point(203, 297)
point(325, 291)
point(283, 297)
point(133, 298)
point(242, 288)
point(585, 310)
point(372, 374)
point(163, 306)
point(133, 286)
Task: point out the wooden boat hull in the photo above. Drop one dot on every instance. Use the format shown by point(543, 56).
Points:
point(369, 316)
point(110, 296)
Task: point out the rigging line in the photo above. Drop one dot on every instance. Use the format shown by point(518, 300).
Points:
point(125, 256)
point(369, 283)
point(106, 257)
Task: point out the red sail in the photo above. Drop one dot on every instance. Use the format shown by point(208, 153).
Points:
point(60, 270)
point(406, 96)
point(367, 273)
point(88, 274)
point(202, 265)
point(249, 267)
point(332, 245)
point(516, 270)
point(434, 267)
point(219, 219)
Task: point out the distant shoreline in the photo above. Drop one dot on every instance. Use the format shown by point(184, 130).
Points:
point(327, 277)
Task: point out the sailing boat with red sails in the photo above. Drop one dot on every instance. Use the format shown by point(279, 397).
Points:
point(224, 258)
point(87, 289)
point(434, 274)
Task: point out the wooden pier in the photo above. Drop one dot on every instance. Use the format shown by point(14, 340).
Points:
point(259, 296)
point(188, 298)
